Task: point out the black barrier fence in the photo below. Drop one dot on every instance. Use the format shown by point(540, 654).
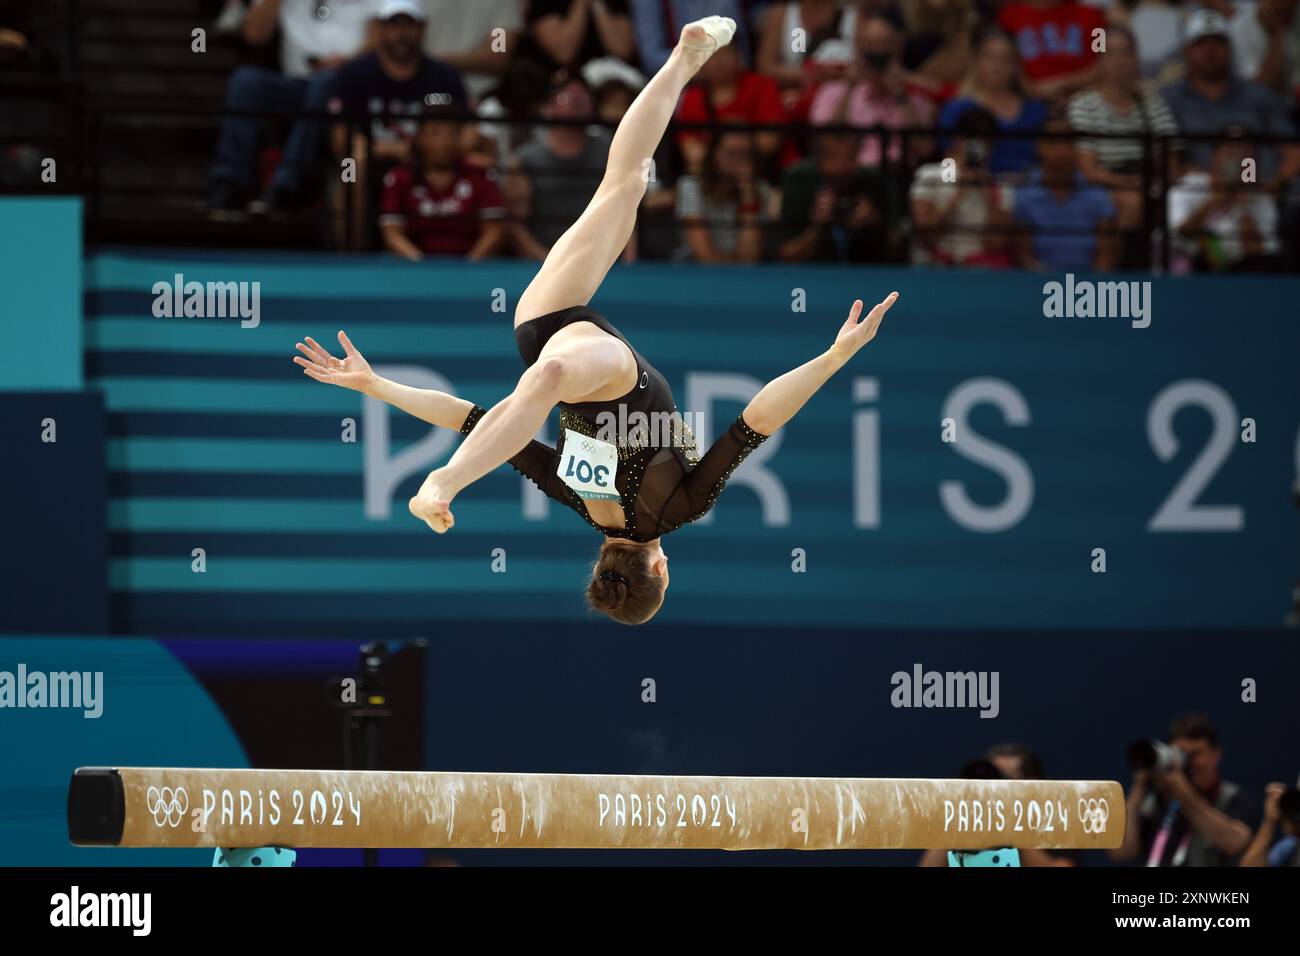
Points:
point(143, 169)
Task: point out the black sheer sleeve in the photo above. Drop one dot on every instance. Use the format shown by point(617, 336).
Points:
point(537, 462)
point(701, 486)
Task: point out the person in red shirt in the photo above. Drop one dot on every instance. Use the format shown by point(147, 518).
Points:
point(443, 205)
point(727, 91)
point(1058, 43)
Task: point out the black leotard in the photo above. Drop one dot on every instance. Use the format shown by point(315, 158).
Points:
point(662, 486)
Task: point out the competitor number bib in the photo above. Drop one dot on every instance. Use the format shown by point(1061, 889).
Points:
point(589, 466)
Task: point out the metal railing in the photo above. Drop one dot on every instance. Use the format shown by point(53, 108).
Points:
point(81, 142)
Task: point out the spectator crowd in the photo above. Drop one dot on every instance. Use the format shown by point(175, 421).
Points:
point(1048, 135)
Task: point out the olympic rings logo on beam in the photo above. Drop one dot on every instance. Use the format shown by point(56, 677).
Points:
point(168, 806)
point(1094, 814)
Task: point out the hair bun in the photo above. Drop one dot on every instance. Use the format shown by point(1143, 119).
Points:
point(607, 595)
point(623, 585)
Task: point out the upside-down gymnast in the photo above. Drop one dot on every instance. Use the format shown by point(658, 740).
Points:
point(630, 490)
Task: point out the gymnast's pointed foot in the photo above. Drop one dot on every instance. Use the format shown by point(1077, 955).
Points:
point(702, 38)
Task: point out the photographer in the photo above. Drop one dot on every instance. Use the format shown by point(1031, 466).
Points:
point(1281, 808)
point(1220, 224)
point(1181, 812)
point(832, 210)
point(960, 212)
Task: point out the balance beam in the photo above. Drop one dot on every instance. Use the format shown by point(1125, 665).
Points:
point(188, 807)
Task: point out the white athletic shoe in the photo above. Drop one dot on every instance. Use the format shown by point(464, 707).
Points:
point(708, 34)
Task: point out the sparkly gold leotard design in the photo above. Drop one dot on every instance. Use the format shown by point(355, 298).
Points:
point(662, 484)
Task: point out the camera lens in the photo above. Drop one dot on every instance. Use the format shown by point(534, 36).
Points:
point(1142, 755)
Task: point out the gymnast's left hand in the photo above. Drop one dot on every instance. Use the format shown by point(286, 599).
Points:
point(854, 334)
point(432, 505)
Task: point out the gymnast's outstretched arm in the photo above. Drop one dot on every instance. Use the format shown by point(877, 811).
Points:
point(427, 404)
point(535, 461)
point(514, 415)
point(354, 372)
point(780, 399)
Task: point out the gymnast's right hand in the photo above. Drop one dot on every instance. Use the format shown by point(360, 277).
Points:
point(433, 506)
point(854, 334)
point(352, 371)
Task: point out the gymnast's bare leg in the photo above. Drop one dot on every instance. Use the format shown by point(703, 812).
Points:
point(577, 364)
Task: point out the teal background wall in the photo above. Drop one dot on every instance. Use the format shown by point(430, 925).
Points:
point(40, 272)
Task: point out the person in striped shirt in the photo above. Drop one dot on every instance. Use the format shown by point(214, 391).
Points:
point(1117, 105)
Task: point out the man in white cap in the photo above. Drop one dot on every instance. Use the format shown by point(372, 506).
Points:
point(1210, 98)
point(392, 86)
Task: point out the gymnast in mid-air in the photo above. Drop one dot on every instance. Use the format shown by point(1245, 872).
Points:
point(633, 487)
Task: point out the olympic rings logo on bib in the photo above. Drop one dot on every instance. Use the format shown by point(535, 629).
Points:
point(589, 466)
